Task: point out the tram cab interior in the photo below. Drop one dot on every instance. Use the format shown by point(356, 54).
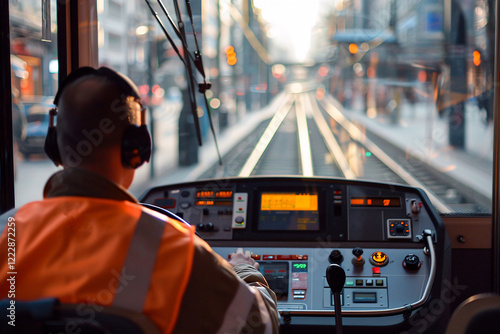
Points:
point(338, 141)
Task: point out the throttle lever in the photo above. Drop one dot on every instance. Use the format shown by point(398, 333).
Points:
point(335, 277)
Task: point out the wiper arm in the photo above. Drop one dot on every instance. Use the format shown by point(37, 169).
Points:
point(155, 14)
point(202, 87)
point(189, 71)
point(197, 60)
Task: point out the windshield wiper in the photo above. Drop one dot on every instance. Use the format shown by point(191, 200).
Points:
point(197, 60)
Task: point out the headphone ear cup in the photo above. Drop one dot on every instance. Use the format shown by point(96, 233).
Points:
point(51, 148)
point(136, 146)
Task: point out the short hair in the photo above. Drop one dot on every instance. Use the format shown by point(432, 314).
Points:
point(93, 113)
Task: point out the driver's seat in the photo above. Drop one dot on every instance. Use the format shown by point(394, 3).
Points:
point(477, 314)
point(50, 316)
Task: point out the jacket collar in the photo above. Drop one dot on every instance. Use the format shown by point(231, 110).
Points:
point(79, 182)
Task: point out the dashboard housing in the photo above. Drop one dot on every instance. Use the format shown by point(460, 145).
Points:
point(296, 227)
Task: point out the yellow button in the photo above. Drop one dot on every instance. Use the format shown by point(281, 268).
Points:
point(379, 257)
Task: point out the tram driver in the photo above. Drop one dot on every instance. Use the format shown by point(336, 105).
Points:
point(90, 242)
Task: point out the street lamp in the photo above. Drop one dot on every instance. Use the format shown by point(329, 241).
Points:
point(145, 31)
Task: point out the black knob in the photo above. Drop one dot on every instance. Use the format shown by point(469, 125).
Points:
point(357, 251)
point(335, 277)
point(206, 212)
point(336, 257)
point(411, 262)
point(201, 227)
point(209, 227)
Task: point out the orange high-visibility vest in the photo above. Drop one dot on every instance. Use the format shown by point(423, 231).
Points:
point(97, 252)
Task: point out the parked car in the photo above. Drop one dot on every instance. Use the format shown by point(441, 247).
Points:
point(36, 110)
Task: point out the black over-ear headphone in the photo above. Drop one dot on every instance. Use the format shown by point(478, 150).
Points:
point(136, 141)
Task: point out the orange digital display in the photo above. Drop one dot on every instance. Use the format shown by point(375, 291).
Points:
point(216, 194)
point(224, 194)
point(204, 194)
point(376, 201)
point(289, 202)
point(204, 203)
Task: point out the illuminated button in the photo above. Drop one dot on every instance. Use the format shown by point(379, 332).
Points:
point(299, 257)
point(349, 283)
point(379, 259)
point(369, 282)
point(376, 271)
point(255, 257)
point(399, 228)
point(359, 282)
point(379, 282)
point(268, 257)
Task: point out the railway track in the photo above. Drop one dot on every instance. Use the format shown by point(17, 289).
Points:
point(314, 138)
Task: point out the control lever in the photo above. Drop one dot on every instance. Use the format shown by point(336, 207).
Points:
point(358, 260)
point(335, 277)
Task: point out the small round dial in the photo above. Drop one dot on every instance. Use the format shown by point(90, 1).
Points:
point(411, 262)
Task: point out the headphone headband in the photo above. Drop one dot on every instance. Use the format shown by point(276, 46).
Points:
point(125, 85)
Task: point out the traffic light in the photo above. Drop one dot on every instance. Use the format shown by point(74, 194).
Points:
point(231, 55)
point(476, 58)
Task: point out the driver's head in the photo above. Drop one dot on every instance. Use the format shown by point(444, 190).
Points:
point(95, 109)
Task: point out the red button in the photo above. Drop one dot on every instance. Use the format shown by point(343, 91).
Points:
point(255, 257)
point(268, 257)
point(375, 271)
point(284, 257)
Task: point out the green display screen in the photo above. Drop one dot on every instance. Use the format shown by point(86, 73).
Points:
point(299, 267)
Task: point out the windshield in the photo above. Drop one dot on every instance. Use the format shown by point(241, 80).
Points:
point(386, 91)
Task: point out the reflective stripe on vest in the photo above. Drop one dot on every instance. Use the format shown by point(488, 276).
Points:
point(140, 261)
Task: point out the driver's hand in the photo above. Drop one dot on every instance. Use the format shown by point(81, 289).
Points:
point(242, 257)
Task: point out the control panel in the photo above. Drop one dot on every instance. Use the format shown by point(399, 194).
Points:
point(387, 238)
point(297, 276)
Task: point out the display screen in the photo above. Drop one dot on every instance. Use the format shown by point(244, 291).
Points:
point(299, 267)
point(214, 198)
point(376, 201)
point(288, 211)
point(276, 275)
point(364, 297)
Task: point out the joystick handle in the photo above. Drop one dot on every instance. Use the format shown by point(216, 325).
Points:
point(335, 277)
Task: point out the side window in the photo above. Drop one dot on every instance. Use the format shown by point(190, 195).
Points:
point(34, 74)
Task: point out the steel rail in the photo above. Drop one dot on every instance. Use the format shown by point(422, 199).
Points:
point(266, 138)
point(304, 139)
point(330, 141)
